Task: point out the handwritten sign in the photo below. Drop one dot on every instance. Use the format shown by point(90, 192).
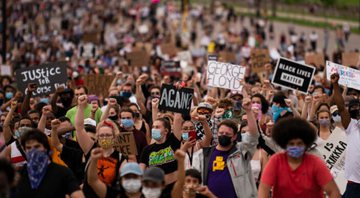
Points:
point(98, 84)
point(315, 59)
point(224, 75)
point(138, 58)
point(348, 76)
point(176, 100)
point(293, 75)
point(48, 77)
point(259, 57)
point(125, 143)
point(351, 59)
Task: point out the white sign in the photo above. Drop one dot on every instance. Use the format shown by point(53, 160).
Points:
point(225, 75)
point(348, 76)
point(333, 152)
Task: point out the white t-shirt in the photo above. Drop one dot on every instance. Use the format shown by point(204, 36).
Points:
point(352, 159)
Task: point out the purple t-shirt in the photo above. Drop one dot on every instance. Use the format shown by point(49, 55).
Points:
point(219, 179)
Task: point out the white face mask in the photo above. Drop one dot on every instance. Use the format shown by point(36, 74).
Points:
point(151, 192)
point(337, 118)
point(131, 185)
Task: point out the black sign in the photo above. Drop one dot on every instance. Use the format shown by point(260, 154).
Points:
point(293, 75)
point(48, 77)
point(212, 57)
point(176, 100)
point(171, 68)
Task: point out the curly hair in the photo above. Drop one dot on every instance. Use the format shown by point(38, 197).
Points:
point(264, 102)
point(292, 128)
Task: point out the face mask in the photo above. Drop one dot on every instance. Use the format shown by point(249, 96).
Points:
point(295, 151)
point(44, 100)
point(258, 107)
point(185, 136)
point(113, 118)
point(131, 185)
point(337, 118)
point(324, 122)
point(224, 140)
point(127, 123)
point(9, 95)
point(151, 192)
point(238, 105)
point(228, 114)
point(354, 113)
point(106, 142)
point(37, 163)
point(125, 94)
point(156, 134)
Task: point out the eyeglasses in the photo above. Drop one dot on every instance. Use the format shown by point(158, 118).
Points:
point(155, 93)
point(188, 128)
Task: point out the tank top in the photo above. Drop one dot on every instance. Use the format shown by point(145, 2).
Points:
point(256, 167)
point(16, 157)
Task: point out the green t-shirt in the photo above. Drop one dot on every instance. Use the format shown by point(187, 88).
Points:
point(72, 112)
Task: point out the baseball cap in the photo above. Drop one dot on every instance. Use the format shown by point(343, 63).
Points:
point(154, 174)
point(205, 105)
point(131, 168)
point(333, 109)
point(89, 121)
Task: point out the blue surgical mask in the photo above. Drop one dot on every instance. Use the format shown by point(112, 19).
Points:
point(156, 134)
point(337, 118)
point(9, 95)
point(127, 123)
point(125, 94)
point(295, 151)
point(44, 100)
point(185, 136)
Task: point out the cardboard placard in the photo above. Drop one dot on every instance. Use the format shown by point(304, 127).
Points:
point(168, 48)
point(91, 37)
point(316, 59)
point(138, 58)
point(171, 68)
point(293, 75)
point(224, 75)
point(259, 57)
point(48, 77)
point(227, 57)
point(98, 84)
point(348, 76)
point(351, 59)
point(125, 143)
point(176, 100)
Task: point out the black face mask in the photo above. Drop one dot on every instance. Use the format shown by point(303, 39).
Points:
point(354, 113)
point(114, 118)
point(224, 140)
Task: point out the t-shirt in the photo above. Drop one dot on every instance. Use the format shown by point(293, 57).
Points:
point(162, 155)
point(57, 182)
point(219, 179)
point(306, 180)
point(74, 160)
point(72, 112)
point(352, 157)
point(114, 193)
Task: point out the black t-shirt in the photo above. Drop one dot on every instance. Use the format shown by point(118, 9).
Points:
point(73, 158)
point(114, 193)
point(57, 182)
point(162, 155)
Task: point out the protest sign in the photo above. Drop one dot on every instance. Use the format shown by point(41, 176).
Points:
point(225, 75)
point(171, 68)
point(91, 37)
point(348, 76)
point(227, 56)
point(176, 100)
point(293, 75)
point(333, 152)
point(98, 84)
point(351, 59)
point(259, 57)
point(138, 58)
point(125, 143)
point(48, 77)
point(168, 48)
point(6, 70)
point(316, 59)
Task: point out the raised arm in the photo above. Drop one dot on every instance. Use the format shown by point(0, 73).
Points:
point(177, 191)
point(96, 184)
point(140, 98)
point(8, 103)
point(54, 99)
point(6, 126)
point(55, 136)
point(305, 108)
point(46, 110)
point(290, 104)
point(154, 108)
point(25, 106)
point(178, 120)
point(207, 131)
point(82, 137)
point(119, 75)
point(339, 100)
point(112, 103)
point(253, 129)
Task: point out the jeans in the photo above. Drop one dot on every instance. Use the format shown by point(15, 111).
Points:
point(352, 191)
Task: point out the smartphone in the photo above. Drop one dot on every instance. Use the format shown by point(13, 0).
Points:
point(192, 135)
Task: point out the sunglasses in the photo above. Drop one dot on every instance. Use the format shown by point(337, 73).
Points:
point(335, 113)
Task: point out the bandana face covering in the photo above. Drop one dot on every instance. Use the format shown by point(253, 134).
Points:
point(106, 142)
point(37, 163)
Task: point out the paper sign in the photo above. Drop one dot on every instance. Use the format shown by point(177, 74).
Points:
point(351, 59)
point(138, 58)
point(225, 75)
point(48, 77)
point(171, 68)
point(259, 57)
point(348, 76)
point(176, 100)
point(6, 70)
point(168, 48)
point(98, 84)
point(125, 143)
point(315, 59)
point(292, 75)
point(333, 152)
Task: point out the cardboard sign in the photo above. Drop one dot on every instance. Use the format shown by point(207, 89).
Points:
point(225, 75)
point(48, 77)
point(176, 100)
point(171, 68)
point(227, 56)
point(98, 84)
point(259, 57)
point(315, 59)
point(138, 58)
point(333, 152)
point(351, 59)
point(293, 75)
point(91, 37)
point(125, 143)
point(168, 48)
point(348, 76)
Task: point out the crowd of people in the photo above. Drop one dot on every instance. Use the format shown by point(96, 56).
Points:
point(262, 141)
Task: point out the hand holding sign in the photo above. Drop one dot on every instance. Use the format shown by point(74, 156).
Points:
point(82, 101)
point(31, 87)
